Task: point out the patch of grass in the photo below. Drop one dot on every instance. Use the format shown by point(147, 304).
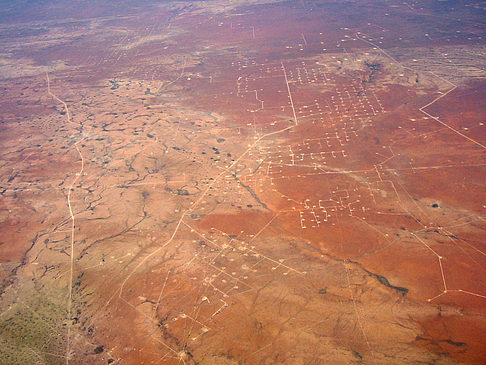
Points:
point(33, 330)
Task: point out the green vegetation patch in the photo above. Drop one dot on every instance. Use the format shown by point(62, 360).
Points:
point(34, 332)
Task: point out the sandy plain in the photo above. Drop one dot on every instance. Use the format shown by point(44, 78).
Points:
point(261, 183)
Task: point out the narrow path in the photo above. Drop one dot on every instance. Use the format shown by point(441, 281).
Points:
point(73, 225)
point(290, 94)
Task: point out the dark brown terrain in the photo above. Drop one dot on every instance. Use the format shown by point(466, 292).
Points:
point(242, 182)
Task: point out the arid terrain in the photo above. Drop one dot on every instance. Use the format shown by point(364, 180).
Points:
point(242, 182)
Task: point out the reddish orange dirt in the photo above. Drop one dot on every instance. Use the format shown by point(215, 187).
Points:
point(244, 182)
